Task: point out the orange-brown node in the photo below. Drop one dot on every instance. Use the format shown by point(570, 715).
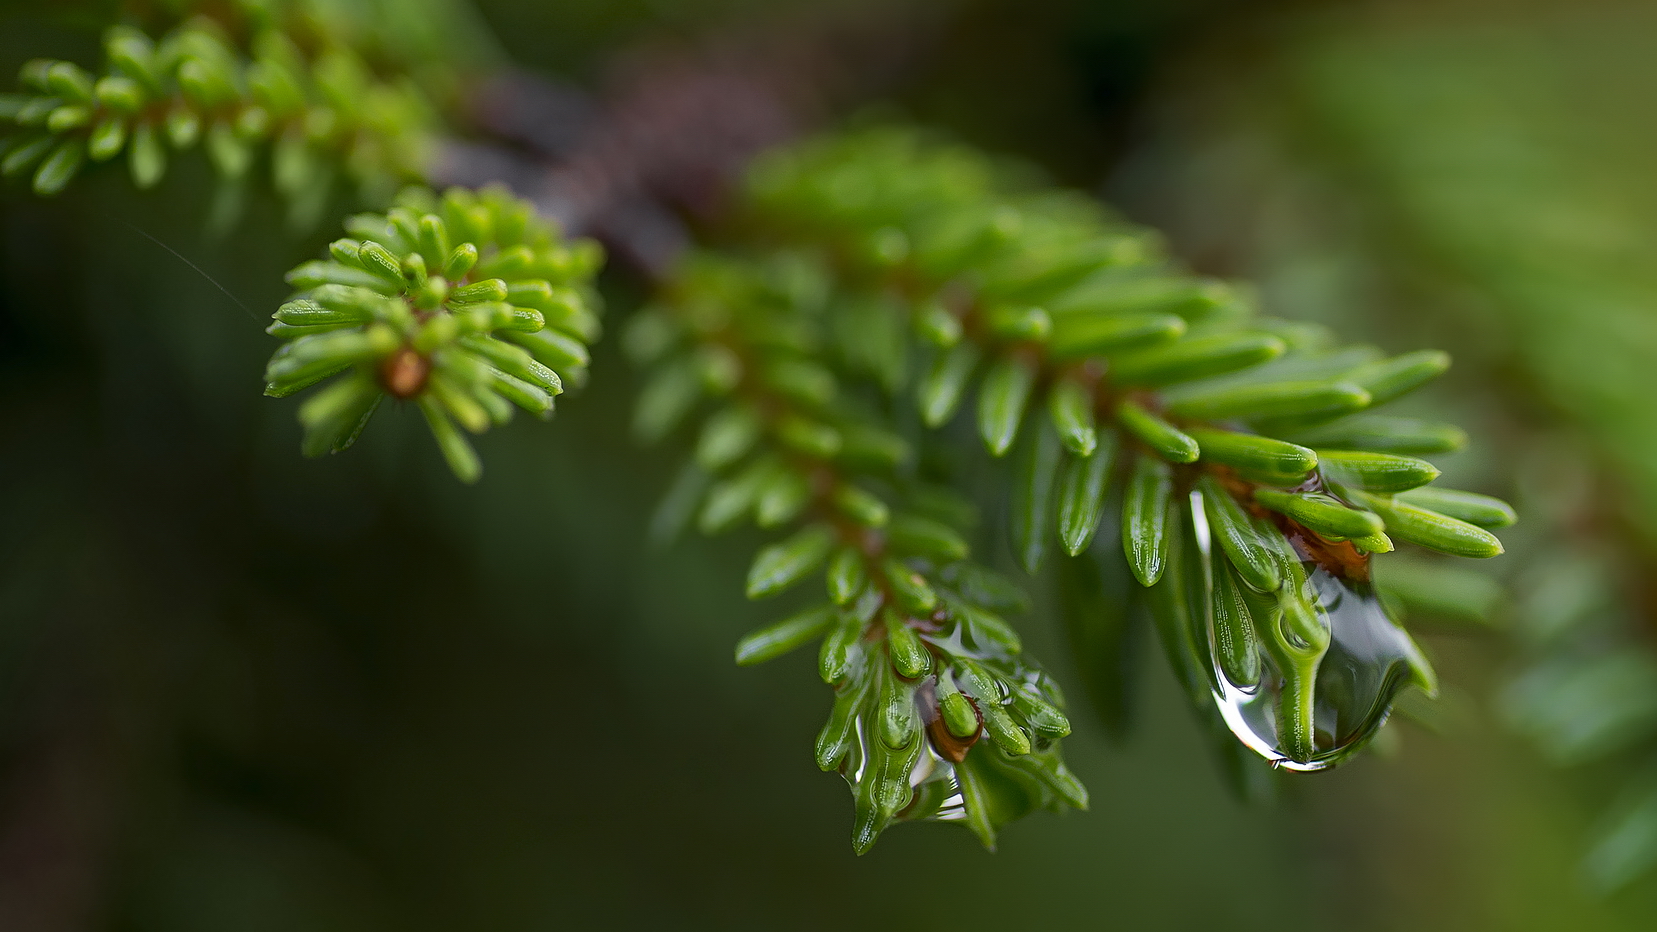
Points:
point(403, 374)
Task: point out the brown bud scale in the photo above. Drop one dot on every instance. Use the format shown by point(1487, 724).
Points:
point(403, 374)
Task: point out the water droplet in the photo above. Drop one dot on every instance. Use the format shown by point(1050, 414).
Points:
point(935, 790)
point(1369, 660)
point(935, 781)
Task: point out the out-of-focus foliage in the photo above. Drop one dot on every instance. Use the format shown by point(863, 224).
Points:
point(319, 113)
point(425, 36)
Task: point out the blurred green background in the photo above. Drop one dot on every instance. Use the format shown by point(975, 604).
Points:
point(240, 690)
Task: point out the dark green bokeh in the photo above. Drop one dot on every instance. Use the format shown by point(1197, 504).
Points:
point(243, 690)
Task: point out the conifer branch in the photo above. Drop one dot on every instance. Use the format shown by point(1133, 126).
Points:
point(318, 113)
point(466, 305)
point(1111, 373)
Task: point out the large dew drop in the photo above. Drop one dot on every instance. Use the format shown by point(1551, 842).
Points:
point(1368, 662)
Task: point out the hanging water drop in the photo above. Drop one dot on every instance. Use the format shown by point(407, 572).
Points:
point(1330, 659)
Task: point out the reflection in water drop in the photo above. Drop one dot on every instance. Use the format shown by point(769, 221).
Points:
point(1369, 660)
point(937, 791)
point(935, 788)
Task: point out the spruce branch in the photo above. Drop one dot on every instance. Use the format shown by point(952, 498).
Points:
point(467, 305)
point(1106, 371)
point(319, 114)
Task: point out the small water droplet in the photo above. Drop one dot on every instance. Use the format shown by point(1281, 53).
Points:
point(935, 782)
